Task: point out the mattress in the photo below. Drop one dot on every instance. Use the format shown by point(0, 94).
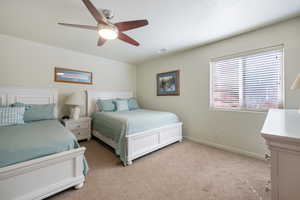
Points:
point(116, 125)
point(34, 140)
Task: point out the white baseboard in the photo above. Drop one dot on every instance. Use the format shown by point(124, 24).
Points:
point(227, 148)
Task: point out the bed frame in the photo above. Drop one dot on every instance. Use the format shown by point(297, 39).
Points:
point(138, 144)
point(45, 176)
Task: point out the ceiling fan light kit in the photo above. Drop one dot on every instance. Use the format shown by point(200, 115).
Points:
point(108, 32)
point(106, 29)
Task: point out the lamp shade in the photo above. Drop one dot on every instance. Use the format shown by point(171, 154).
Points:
point(296, 84)
point(75, 99)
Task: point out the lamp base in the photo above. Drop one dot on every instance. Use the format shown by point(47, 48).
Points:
point(75, 113)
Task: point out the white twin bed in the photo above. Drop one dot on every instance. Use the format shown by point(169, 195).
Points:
point(137, 143)
point(40, 177)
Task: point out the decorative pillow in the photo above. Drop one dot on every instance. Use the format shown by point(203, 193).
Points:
point(11, 116)
point(106, 105)
point(37, 112)
point(133, 104)
point(121, 104)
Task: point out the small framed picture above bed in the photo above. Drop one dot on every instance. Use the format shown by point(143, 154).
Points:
point(72, 76)
point(168, 83)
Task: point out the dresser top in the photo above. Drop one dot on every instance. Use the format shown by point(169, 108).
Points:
point(283, 124)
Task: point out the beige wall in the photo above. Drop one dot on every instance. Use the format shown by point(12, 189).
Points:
point(235, 131)
point(28, 64)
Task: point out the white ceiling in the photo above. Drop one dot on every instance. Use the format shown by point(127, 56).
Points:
point(174, 24)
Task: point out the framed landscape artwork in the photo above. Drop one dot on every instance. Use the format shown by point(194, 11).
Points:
point(168, 83)
point(73, 76)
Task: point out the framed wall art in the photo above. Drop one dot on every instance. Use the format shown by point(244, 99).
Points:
point(168, 83)
point(72, 76)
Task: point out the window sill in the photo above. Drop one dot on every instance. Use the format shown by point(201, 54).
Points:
point(239, 111)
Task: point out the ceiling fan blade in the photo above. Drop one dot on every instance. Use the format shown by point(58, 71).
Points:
point(101, 41)
point(125, 26)
point(79, 26)
point(99, 17)
point(127, 39)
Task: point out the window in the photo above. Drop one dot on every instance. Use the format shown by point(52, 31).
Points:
point(249, 81)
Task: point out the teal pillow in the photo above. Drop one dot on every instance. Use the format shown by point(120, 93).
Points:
point(37, 112)
point(133, 104)
point(121, 104)
point(11, 116)
point(106, 105)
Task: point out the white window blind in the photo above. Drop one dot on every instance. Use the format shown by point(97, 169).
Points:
point(248, 81)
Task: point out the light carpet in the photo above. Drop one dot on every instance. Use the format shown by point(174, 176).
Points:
point(182, 171)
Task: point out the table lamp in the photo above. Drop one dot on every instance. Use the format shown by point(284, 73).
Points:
point(296, 85)
point(75, 100)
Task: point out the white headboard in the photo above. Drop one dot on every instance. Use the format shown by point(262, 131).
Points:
point(10, 95)
point(92, 96)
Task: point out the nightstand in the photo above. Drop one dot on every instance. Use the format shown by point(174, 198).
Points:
point(81, 128)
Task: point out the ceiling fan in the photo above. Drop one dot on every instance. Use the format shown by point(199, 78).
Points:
point(106, 29)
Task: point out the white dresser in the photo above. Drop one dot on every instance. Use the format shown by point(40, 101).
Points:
point(282, 133)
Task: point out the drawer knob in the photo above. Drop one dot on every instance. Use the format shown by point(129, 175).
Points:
point(267, 156)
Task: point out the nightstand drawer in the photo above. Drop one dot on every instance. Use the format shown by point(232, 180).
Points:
point(81, 128)
point(81, 134)
point(78, 125)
